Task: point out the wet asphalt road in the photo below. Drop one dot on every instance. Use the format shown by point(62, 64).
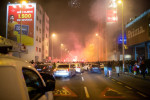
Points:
point(94, 86)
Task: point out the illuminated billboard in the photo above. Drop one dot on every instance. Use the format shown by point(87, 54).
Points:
point(111, 13)
point(21, 17)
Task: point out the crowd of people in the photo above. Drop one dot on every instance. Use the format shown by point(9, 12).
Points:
point(135, 67)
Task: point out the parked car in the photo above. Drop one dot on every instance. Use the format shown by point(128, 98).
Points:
point(43, 68)
point(21, 81)
point(64, 70)
point(49, 79)
point(95, 68)
point(79, 68)
point(86, 67)
point(102, 66)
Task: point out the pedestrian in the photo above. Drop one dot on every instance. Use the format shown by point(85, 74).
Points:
point(130, 67)
point(143, 68)
point(134, 68)
point(137, 69)
point(105, 69)
point(110, 68)
point(117, 65)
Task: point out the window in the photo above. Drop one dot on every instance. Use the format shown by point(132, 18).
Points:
point(37, 18)
point(36, 38)
point(40, 30)
point(40, 21)
point(39, 49)
point(34, 84)
point(37, 28)
point(36, 49)
point(40, 40)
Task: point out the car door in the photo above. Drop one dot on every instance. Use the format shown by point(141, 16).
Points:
point(34, 84)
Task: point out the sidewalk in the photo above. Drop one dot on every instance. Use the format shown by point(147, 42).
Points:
point(139, 76)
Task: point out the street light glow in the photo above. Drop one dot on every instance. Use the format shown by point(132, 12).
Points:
point(62, 44)
point(24, 2)
point(96, 34)
point(120, 1)
point(53, 35)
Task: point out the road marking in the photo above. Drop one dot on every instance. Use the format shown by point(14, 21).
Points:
point(119, 82)
point(64, 91)
point(82, 78)
point(86, 92)
point(128, 87)
point(141, 94)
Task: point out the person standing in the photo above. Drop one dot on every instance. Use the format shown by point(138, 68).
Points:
point(117, 68)
point(134, 68)
point(105, 69)
point(110, 68)
point(143, 68)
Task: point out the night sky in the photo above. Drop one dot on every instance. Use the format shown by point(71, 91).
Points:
point(75, 26)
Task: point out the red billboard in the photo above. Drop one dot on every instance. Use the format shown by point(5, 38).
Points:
point(21, 17)
point(112, 15)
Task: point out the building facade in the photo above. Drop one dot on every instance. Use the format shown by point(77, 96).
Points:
point(45, 37)
point(39, 51)
point(138, 36)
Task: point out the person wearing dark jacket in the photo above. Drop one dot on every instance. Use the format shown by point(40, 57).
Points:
point(143, 68)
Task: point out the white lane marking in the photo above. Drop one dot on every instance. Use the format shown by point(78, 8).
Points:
point(82, 78)
point(86, 92)
point(128, 87)
point(141, 94)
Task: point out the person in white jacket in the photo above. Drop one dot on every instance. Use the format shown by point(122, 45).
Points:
point(117, 67)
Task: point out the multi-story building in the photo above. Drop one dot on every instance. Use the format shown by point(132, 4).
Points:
point(45, 37)
point(39, 51)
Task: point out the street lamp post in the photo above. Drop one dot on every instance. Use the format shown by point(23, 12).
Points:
point(61, 51)
point(98, 46)
point(53, 35)
point(123, 64)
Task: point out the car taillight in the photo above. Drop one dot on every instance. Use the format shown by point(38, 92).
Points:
point(67, 69)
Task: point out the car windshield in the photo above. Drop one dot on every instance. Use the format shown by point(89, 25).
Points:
point(63, 66)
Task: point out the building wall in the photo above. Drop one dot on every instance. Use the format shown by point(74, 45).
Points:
point(35, 52)
point(38, 33)
point(46, 36)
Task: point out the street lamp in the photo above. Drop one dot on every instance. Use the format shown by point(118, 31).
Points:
point(97, 35)
point(121, 2)
point(61, 50)
point(53, 36)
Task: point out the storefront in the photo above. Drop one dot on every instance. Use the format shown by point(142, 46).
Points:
point(138, 36)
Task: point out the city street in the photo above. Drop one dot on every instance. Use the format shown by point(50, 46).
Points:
point(93, 86)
